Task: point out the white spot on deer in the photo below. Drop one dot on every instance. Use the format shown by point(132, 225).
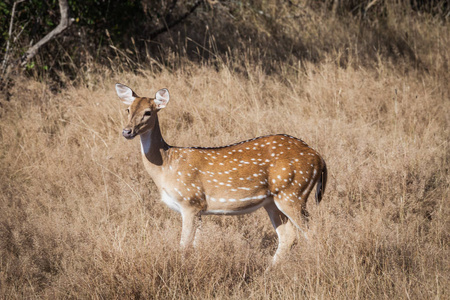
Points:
point(178, 191)
point(244, 188)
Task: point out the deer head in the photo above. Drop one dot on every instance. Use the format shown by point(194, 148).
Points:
point(142, 111)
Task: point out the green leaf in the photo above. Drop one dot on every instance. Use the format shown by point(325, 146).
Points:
point(30, 65)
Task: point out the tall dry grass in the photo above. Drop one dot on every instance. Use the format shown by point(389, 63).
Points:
point(80, 218)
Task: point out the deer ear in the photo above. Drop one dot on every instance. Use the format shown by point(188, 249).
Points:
point(125, 93)
point(162, 98)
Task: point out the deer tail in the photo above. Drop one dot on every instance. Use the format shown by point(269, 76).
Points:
point(321, 184)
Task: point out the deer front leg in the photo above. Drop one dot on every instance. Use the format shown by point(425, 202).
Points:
point(190, 224)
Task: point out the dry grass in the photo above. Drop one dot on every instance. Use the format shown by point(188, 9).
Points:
point(80, 218)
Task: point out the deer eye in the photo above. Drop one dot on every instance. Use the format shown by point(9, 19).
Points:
point(127, 110)
point(147, 113)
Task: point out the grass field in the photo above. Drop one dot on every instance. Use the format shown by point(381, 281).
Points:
point(80, 218)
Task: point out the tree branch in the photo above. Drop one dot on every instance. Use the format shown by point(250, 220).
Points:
point(63, 25)
point(157, 32)
point(5, 59)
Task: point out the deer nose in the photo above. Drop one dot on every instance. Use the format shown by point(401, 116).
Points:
point(127, 133)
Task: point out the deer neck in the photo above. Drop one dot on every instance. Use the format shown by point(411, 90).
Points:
point(153, 147)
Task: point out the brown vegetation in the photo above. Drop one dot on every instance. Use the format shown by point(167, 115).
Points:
point(80, 217)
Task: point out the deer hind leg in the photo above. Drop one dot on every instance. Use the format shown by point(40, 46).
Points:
point(285, 231)
point(293, 205)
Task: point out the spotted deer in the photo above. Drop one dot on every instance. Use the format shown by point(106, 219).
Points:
point(276, 172)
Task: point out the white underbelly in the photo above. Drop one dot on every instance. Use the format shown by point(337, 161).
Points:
point(224, 210)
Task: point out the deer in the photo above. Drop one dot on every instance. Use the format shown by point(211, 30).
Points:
point(277, 172)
